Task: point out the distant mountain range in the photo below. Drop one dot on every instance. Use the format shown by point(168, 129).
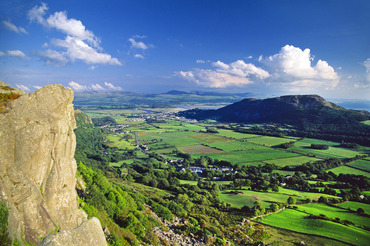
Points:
point(172, 98)
point(284, 109)
point(206, 93)
point(308, 113)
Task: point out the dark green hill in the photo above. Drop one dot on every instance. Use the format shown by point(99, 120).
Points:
point(82, 119)
point(308, 113)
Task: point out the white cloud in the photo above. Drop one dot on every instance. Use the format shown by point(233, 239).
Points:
point(210, 78)
point(366, 64)
point(293, 61)
point(94, 87)
point(71, 27)
point(23, 87)
point(52, 57)
point(139, 56)
point(241, 69)
point(226, 75)
point(77, 49)
point(36, 87)
point(112, 87)
point(92, 68)
point(10, 26)
point(249, 57)
point(200, 61)
point(37, 13)
point(97, 87)
point(80, 43)
point(77, 87)
point(15, 53)
point(293, 68)
point(138, 45)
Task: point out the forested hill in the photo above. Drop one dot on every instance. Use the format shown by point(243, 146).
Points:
point(310, 113)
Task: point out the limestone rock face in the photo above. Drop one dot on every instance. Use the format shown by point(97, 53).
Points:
point(88, 233)
point(37, 166)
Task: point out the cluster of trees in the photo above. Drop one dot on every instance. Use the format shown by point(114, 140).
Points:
point(349, 145)
point(92, 150)
point(319, 146)
point(107, 120)
point(287, 145)
point(117, 209)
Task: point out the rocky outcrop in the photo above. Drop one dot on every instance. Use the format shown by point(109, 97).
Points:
point(80, 236)
point(37, 166)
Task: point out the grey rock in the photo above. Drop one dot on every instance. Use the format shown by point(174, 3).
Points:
point(37, 166)
point(87, 234)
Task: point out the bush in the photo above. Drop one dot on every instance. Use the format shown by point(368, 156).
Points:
point(323, 199)
point(291, 200)
point(4, 236)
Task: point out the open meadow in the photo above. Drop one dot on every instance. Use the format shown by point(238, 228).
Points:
point(296, 221)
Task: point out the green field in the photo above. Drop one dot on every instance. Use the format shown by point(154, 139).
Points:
point(303, 147)
point(269, 141)
point(243, 157)
point(334, 212)
point(296, 221)
point(235, 135)
point(116, 140)
point(366, 122)
point(360, 164)
point(355, 205)
point(292, 161)
point(348, 170)
point(248, 197)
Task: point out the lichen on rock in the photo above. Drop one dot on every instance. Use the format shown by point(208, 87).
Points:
point(37, 166)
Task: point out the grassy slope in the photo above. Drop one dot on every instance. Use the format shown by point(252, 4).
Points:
point(248, 197)
point(295, 221)
point(348, 170)
point(355, 205)
point(334, 212)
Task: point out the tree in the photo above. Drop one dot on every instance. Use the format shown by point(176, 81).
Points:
point(291, 200)
point(275, 188)
point(360, 211)
point(258, 208)
point(274, 207)
point(323, 199)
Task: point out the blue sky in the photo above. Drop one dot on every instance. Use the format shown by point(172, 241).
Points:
point(269, 48)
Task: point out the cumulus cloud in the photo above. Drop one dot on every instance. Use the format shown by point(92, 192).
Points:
point(77, 49)
point(10, 26)
point(15, 53)
point(237, 73)
point(112, 87)
point(52, 57)
point(138, 45)
point(213, 79)
point(241, 69)
point(293, 67)
point(79, 44)
point(97, 87)
point(23, 87)
point(139, 56)
point(293, 61)
point(77, 87)
point(94, 87)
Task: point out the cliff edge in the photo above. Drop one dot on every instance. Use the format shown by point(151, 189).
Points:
point(37, 168)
